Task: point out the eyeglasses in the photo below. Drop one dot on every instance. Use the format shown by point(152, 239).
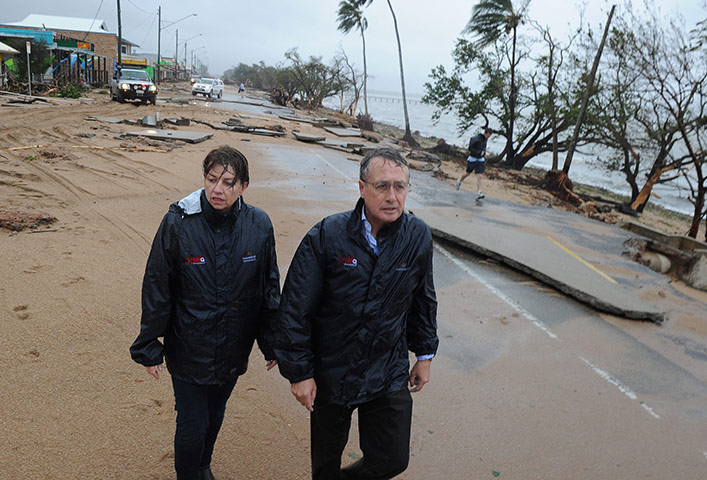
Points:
point(384, 185)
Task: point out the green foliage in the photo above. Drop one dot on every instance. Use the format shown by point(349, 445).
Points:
point(71, 91)
point(491, 19)
point(40, 59)
point(350, 15)
point(309, 80)
point(257, 75)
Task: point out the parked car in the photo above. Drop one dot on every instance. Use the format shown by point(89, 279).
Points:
point(132, 83)
point(208, 87)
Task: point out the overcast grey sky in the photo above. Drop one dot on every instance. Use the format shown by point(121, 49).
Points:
point(254, 30)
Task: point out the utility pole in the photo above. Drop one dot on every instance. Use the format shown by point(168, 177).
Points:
point(176, 49)
point(29, 74)
point(159, 38)
point(120, 36)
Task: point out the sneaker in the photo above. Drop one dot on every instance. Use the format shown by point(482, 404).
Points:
point(459, 184)
point(480, 195)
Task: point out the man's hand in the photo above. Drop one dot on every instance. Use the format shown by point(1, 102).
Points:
point(270, 364)
point(154, 370)
point(419, 375)
point(305, 392)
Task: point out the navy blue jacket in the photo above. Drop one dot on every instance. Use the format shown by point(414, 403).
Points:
point(348, 316)
point(477, 145)
point(211, 287)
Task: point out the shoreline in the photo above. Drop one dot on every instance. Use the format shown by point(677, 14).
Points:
point(538, 173)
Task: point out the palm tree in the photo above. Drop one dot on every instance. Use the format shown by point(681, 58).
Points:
point(408, 136)
point(490, 19)
point(350, 16)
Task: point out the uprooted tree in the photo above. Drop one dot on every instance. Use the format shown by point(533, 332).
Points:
point(650, 107)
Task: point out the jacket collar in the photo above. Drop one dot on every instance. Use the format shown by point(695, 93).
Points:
point(355, 223)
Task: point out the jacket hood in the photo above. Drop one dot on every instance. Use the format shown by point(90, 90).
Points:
point(191, 204)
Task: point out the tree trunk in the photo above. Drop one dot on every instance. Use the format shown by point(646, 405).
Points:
point(630, 176)
point(640, 202)
point(365, 76)
point(587, 94)
point(698, 214)
point(553, 114)
point(512, 103)
point(408, 135)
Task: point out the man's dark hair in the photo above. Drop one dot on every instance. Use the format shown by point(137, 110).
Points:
point(387, 154)
point(230, 159)
point(488, 130)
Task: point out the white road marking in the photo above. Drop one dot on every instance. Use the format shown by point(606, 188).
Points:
point(602, 373)
point(622, 388)
point(497, 292)
point(332, 166)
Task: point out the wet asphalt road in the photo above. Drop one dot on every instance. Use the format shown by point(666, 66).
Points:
point(527, 383)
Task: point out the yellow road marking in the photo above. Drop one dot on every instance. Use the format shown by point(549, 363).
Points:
point(581, 259)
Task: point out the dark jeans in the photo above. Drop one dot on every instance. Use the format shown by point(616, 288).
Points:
point(384, 431)
point(200, 410)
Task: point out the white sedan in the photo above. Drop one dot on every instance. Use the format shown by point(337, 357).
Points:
point(208, 87)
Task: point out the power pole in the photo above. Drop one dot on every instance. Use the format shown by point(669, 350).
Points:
point(176, 49)
point(120, 36)
point(159, 38)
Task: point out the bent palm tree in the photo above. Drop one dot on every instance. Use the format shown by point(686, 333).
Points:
point(490, 19)
point(350, 16)
point(408, 136)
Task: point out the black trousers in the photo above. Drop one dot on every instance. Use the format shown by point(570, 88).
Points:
point(384, 432)
point(200, 411)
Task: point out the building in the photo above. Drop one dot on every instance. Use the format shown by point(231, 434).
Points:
point(73, 36)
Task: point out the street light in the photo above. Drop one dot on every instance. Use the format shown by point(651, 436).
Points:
point(185, 47)
point(159, 35)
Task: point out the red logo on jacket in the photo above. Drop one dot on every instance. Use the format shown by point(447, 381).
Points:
point(196, 260)
point(347, 261)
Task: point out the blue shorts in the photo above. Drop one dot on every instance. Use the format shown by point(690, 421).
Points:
point(477, 165)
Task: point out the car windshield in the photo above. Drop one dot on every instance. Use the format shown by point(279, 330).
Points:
point(207, 81)
point(135, 75)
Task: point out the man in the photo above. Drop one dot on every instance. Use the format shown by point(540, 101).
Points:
point(211, 287)
point(476, 161)
point(359, 293)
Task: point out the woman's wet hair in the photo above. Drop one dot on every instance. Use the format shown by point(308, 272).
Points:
point(230, 159)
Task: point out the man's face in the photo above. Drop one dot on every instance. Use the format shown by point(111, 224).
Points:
point(222, 189)
point(384, 191)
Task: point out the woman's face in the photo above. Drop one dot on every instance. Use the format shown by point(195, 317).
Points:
point(222, 188)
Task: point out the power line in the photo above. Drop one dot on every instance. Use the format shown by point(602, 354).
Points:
point(143, 11)
point(94, 21)
point(149, 30)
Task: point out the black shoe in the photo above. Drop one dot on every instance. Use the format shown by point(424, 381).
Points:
point(206, 474)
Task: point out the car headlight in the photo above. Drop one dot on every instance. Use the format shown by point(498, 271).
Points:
point(153, 88)
point(124, 86)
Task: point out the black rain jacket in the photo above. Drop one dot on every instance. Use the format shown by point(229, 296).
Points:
point(477, 145)
point(348, 316)
point(211, 286)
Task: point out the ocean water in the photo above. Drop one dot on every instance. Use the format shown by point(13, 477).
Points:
point(387, 107)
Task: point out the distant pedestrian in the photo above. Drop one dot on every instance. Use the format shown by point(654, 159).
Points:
point(476, 162)
point(241, 88)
